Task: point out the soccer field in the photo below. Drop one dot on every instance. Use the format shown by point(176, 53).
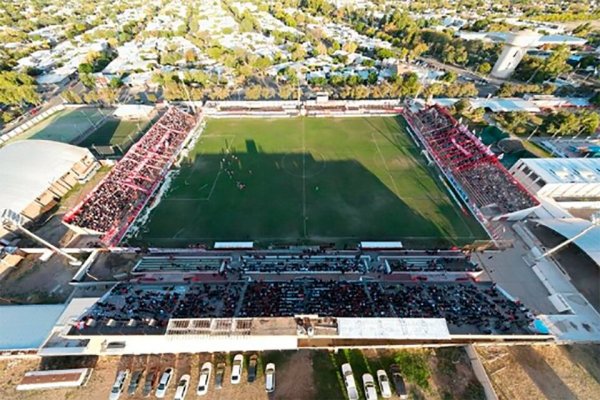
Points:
point(64, 126)
point(115, 132)
point(307, 180)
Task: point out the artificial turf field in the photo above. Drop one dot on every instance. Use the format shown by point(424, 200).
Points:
point(115, 132)
point(307, 180)
point(64, 126)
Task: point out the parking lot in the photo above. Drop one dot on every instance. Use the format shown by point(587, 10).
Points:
point(107, 368)
point(300, 375)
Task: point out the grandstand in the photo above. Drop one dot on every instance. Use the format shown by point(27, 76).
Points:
point(472, 168)
point(116, 201)
point(477, 308)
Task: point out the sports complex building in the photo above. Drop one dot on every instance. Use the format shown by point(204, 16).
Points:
point(325, 221)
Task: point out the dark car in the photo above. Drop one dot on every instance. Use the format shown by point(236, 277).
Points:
point(150, 383)
point(136, 377)
point(398, 380)
point(252, 368)
point(219, 375)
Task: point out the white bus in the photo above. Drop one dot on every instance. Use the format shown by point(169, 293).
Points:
point(55, 379)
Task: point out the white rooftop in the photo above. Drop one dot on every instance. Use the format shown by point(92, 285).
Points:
point(565, 170)
point(29, 167)
point(393, 328)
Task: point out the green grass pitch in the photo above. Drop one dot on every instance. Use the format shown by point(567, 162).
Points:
point(307, 181)
point(64, 126)
point(115, 132)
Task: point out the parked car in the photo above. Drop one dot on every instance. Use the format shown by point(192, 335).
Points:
point(163, 384)
point(117, 387)
point(237, 369)
point(369, 387)
point(349, 381)
point(252, 368)
point(182, 387)
point(150, 382)
point(204, 380)
point(219, 374)
point(398, 380)
point(270, 378)
point(384, 384)
point(136, 377)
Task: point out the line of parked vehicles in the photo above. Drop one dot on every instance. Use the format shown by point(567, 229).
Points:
point(369, 383)
point(158, 383)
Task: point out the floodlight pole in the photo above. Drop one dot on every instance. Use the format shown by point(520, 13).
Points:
point(182, 81)
point(595, 223)
point(10, 223)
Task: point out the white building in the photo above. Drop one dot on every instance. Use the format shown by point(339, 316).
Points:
point(568, 180)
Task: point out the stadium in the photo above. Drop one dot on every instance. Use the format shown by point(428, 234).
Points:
point(286, 225)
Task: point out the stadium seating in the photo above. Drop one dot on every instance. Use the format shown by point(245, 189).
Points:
point(466, 306)
point(463, 156)
point(112, 206)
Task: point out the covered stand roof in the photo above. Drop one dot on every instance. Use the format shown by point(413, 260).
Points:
point(569, 227)
point(29, 167)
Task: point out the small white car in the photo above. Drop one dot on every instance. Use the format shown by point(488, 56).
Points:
point(270, 378)
point(117, 387)
point(237, 369)
point(204, 380)
point(384, 384)
point(182, 387)
point(163, 384)
point(349, 381)
point(369, 386)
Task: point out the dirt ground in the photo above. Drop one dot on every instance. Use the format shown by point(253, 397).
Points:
point(293, 376)
point(34, 281)
point(544, 372)
point(107, 265)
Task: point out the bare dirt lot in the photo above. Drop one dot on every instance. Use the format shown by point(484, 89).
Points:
point(301, 375)
point(34, 281)
point(544, 372)
point(294, 376)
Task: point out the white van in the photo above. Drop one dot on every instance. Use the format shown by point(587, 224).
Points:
point(270, 378)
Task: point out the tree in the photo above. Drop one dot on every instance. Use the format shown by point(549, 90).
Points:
point(595, 99)
point(337, 80)
point(350, 47)
point(462, 105)
point(450, 77)
point(87, 80)
point(190, 56)
point(267, 92)
point(85, 68)
point(253, 92)
point(382, 53)
point(115, 83)
point(484, 68)
point(285, 92)
point(299, 53)
point(17, 88)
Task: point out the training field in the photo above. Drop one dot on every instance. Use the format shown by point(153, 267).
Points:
point(307, 180)
point(115, 132)
point(64, 126)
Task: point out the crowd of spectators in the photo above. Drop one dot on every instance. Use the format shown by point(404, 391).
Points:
point(303, 263)
point(462, 305)
point(432, 264)
point(467, 307)
point(132, 180)
point(461, 154)
point(325, 298)
point(203, 301)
